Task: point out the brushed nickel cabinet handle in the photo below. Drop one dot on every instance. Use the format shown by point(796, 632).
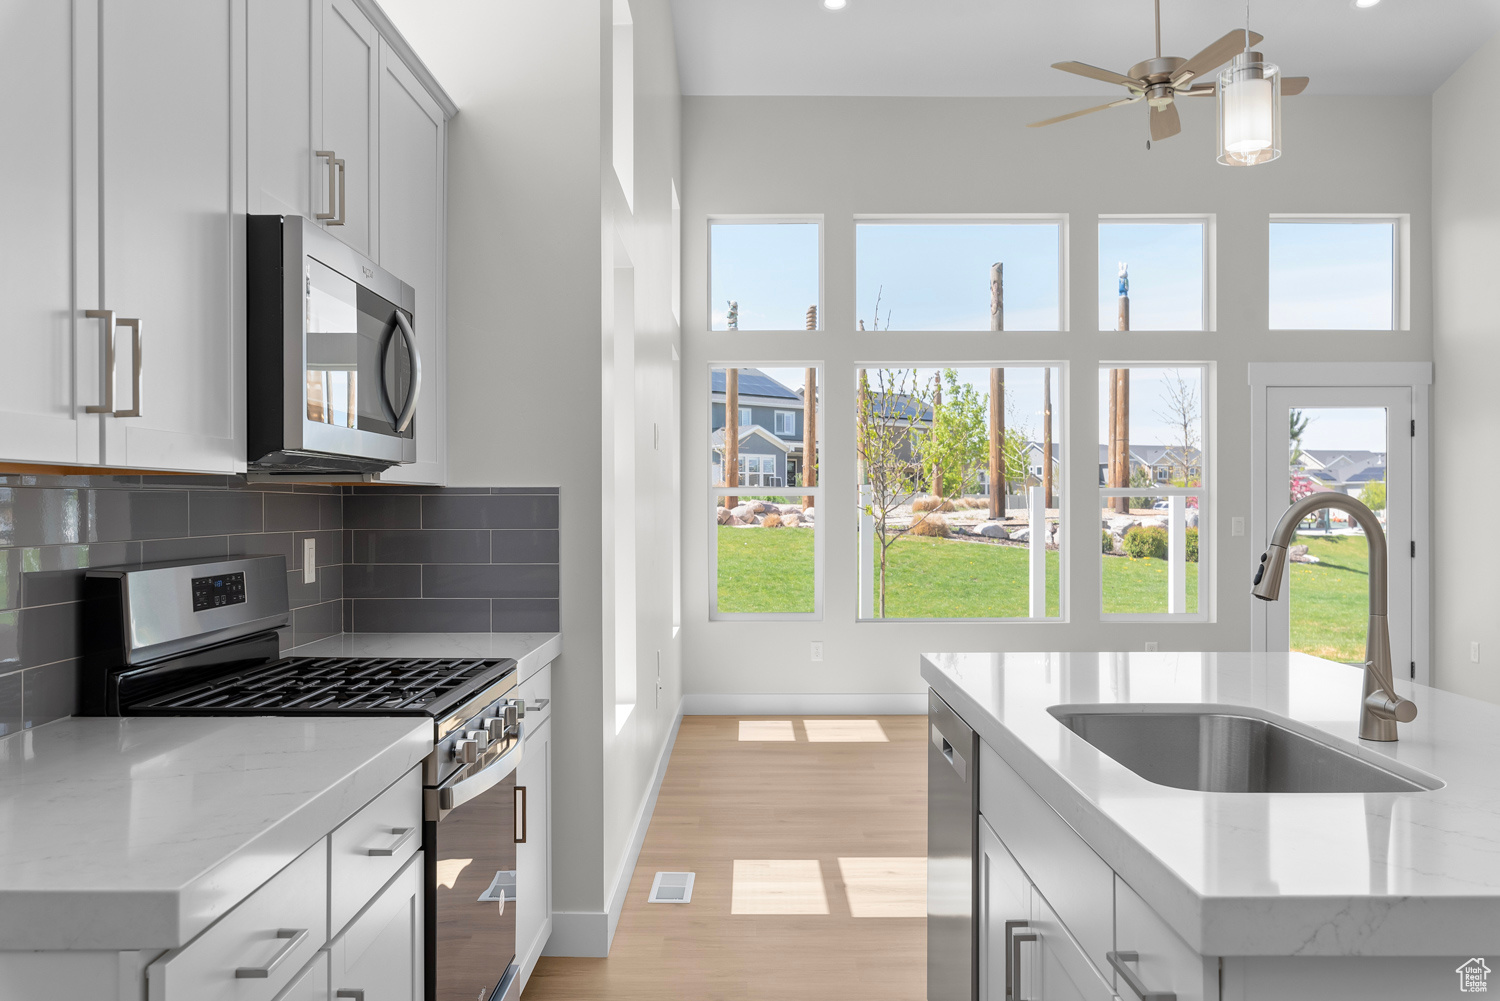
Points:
point(403, 835)
point(294, 937)
point(1119, 961)
point(135, 329)
point(108, 316)
point(1013, 940)
point(356, 993)
point(343, 190)
point(328, 154)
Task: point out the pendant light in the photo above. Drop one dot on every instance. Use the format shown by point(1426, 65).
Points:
point(1249, 109)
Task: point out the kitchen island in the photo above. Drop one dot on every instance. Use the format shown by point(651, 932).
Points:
point(1226, 894)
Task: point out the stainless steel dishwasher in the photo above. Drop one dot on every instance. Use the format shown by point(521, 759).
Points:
point(952, 843)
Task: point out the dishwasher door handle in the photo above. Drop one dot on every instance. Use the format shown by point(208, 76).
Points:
point(945, 746)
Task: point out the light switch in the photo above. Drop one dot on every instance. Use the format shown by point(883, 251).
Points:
point(1237, 526)
point(309, 561)
point(1474, 652)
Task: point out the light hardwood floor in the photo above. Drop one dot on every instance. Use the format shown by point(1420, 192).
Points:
point(781, 831)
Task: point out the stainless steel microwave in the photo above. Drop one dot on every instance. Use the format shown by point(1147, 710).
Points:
point(333, 370)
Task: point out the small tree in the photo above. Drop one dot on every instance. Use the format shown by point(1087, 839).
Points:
point(958, 443)
point(1181, 411)
point(892, 402)
point(1298, 427)
point(1373, 495)
point(1141, 477)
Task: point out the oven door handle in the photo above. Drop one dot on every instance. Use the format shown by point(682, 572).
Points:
point(458, 791)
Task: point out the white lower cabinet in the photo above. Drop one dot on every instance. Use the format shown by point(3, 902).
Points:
point(379, 956)
point(309, 985)
point(1059, 970)
point(1164, 962)
point(534, 855)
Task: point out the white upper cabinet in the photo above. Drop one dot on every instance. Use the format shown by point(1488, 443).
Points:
point(279, 121)
point(49, 373)
point(345, 123)
point(170, 244)
point(411, 244)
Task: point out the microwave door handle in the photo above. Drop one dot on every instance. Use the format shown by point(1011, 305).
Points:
point(403, 420)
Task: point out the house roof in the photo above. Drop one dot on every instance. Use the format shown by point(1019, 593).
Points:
point(1151, 455)
point(902, 406)
point(747, 431)
point(754, 382)
point(1370, 474)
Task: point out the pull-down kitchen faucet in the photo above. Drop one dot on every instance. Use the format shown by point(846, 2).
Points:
point(1381, 707)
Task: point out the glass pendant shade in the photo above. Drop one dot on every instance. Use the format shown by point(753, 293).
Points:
point(1249, 111)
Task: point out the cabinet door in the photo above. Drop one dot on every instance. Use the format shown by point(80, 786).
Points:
point(172, 182)
point(1004, 896)
point(411, 245)
point(43, 392)
point(346, 54)
point(380, 953)
point(1164, 962)
point(279, 123)
point(309, 985)
point(1055, 967)
point(534, 855)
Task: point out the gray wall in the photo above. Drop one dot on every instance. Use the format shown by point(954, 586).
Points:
point(1466, 349)
point(840, 157)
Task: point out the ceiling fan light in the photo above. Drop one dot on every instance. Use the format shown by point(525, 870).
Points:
point(1249, 112)
point(835, 4)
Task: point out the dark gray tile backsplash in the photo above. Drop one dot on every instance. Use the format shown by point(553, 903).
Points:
point(390, 559)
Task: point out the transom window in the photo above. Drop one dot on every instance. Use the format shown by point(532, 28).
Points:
point(764, 274)
point(1333, 274)
point(1153, 274)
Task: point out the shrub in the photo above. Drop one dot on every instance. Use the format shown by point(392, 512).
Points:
point(1109, 540)
point(771, 521)
point(1146, 542)
point(1192, 545)
point(934, 525)
point(929, 503)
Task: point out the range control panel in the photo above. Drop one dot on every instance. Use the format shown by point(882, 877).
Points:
point(218, 591)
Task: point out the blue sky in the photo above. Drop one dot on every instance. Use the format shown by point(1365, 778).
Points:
point(1345, 427)
point(1331, 276)
point(1148, 404)
point(1166, 274)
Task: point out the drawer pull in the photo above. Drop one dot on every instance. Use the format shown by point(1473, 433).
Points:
point(1013, 940)
point(357, 993)
point(294, 937)
point(403, 835)
point(1118, 960)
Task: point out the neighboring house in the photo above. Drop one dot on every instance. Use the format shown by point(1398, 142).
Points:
point(776, 410)
point(1164, 463)
point(1343, 471)
point(1033, 467)
point(763, 457)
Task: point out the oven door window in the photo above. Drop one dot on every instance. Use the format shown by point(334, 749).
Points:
point(358, 371)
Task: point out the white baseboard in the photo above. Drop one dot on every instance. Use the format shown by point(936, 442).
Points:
point(805, 704)
point(589, 933)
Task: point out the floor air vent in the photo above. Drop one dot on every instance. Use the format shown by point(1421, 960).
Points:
point(671, 888)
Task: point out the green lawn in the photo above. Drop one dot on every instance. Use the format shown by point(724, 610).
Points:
point(1132, 585)
point(765, 569)
point(1330, 599)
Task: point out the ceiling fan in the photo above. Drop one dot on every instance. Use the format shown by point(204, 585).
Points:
point(1160, 81)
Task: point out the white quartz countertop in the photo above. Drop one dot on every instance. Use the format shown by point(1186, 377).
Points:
point(137, 833)
point(530, 650)
point(1242, 874)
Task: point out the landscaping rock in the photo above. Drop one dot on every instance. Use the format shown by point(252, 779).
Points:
point(1021, 535)
point(791, 520)
point(992, 530)
point(1297, 551)
point(742, 511)
point(724, 517)
point(786, 509)
point(1120, 524)
point(809, 513)
point(1192, 517)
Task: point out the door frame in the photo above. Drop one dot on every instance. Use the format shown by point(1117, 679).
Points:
point(1413, 376)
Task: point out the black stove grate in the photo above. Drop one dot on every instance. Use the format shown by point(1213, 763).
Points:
point(337, 686)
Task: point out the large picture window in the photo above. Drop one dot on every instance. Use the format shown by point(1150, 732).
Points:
point(765, 554)
point(764, 275)
point(1153, 274)
point(1333, 274)
point(977, 274)
point(1153, 495)
point(960, 479)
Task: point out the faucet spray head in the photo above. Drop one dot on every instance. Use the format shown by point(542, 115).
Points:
point(1267, 583)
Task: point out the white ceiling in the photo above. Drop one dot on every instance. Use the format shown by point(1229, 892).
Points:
point(1005, 47)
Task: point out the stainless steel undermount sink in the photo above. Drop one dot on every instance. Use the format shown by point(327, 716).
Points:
point(1215, 748)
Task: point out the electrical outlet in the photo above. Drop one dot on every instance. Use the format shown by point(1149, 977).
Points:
point(1151, 646)
point(817, 651)
point(309, 561)
point(1474, 652)
point(1237, 526)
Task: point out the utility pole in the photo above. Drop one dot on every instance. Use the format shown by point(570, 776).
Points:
point(1120, 400)
point(810, 420)
point(732, 417)
point(1047, 436)
point(937, 402)
point(997, 398)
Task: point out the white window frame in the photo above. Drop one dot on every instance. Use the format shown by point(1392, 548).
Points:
point(743, 220)
point(979, 219)
point(716, 492)
point(1400, 224)
point(787, 417)
point(1209, 223)
point(1205, 492)
point(1060, 412)
point(747, 417)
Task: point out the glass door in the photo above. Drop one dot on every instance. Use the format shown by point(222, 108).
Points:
point(1355, 441)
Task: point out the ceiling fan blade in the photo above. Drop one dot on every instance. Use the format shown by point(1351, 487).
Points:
point(1094, 72)
point(1201, 90)
point(1164, 122)
point(1214, 56)
point(1292, 85)
point(1085, 111)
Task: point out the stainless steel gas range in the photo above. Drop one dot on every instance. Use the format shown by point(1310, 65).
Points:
point(199, 639)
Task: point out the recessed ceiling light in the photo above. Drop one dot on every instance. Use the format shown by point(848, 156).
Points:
point(840, 4)
point(1362, 4)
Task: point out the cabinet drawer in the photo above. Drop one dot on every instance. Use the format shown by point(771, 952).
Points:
point(311, 984)
point(1060, 970)
point(372, 846)
point(537, 691)
point(1166, 962)
point(256, 949)
point(1078, 885)
point(379, 956)
point(1004, 898)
